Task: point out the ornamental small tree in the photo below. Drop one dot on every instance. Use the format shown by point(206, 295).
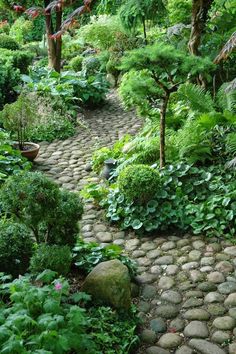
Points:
point(52, 10)
point(156, 72)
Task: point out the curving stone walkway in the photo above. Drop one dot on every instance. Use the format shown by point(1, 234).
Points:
point(188, 294)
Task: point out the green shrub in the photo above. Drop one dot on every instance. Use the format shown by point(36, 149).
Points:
point(20, 30)
point(8, 42)
point(22, 60)
point(9, 79)
point(37, 202)
point(76, 63)
point(53, 257)
point(11, 160)
point(112, 67)
point(91, 65)
point(139, 182)
point(16, 248)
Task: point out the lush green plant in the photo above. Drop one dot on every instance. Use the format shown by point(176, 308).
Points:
point(21, 30)
point(88, 255)
point(45, 318)
point(201, 200)
point(138, 183)
point(91, 65)
point(179, 11)
point(17, 117)
point(76, 63)
point(11, 160)
point(37, 202)
point(8, 42)
point(56, 258)
point(19, 59)
point(16, 248)
point(9, 79)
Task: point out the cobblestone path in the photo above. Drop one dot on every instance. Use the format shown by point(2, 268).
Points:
point(188, 294)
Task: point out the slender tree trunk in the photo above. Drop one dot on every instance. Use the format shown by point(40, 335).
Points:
point(200, 10)
point(144, 30)
point(58, 42)
point(163, 128)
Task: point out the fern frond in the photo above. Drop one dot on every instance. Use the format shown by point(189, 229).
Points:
point(231, 143)
point(196, 97)
point(231, 164)
point(226, 99)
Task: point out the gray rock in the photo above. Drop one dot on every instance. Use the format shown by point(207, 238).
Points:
point(207, 261)
point(132, 244)
point(156, 270)
point(109, 282)
point(190, 265)
point(198, 245)
point(138, 253)
point(206, 269)
point(166, 246)
point(227, 287)
point(148, 246)
point(231, 300)
point(171, 296)
point(170, 340)
point(184, 350)
point(145, 278)
point(231, 251)
point(158, 325)
point(216, 309)
point(148, 292)
point(224, 323)
point(166, 283)
point(197, 314)
point(193, 293)
point(196, 276)
point(192, 302)
point(194, 255)
point(104, 236)
point(213, 297)
point(144, 306)
point(165, 260)
point(167, 311)
point(148, 336)
point(224, 267)
point(232, 348)
point(144, 261)
point(205, 347)
point(196, 329)
point(177, 324)
point(220, 337)
point(216, 277)
point(232, 312)
point(172, 269)
point(153, 254)
point(157, 350)
point(207, 286)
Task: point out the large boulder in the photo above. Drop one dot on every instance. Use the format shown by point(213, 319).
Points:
point(109, 282)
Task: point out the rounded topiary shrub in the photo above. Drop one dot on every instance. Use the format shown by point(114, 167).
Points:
point(76, 63)
point(53, 257)
point(91, 65)
point(8, 42)
point(16, 247)
point(36, 201)
point(139, 183)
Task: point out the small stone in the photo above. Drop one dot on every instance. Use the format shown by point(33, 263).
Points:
point(156, 350)
point(207, 286)
point(220, 337)
point(196, 276)
point(184, 350)
point(196, 329)
point(131, 245)
point(165, 260)
point(206, 269)
point(232, 348)
point(99, 228)
point(148, 336)
point(190, 265)
point(231, 300)
point(227, 287)
point(213, 247)
point(158, 325)
point(144, 306)
point(171, 296)
point(216, 277)
point(166, 283)
point(166, 246)
point(225, 322)
point(231, 251)
point(144, 278)
point(222, 257)
point(182, 243)
point(148, 246)
point(167, 311)
point(156, 270)
point(192, 302)
point(216, 309)
point(198, 245)
point(186, 286)
point(148, 292)
point(232, 312)
point(172, 269)
point(207, 261)
point(138, 253)
point(153, 254)
point(144, 261)
point(194, 255)
point(213, 297)
point(104, 236)
point(177, 324)
point(197, 314)
point(224, 267)
point(205, 347)
point(182, 276)
point(194, 293)
point(170, 340)
point(182, 260)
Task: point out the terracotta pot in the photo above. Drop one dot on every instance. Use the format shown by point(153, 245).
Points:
point(31, 151)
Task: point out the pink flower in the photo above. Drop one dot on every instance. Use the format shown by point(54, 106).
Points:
point(58, 286)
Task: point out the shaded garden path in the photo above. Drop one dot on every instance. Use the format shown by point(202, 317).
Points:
point(188, 296)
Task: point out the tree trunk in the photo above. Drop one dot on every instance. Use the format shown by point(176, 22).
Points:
point(58, 42)
point(200, 10)
point(163, 128)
